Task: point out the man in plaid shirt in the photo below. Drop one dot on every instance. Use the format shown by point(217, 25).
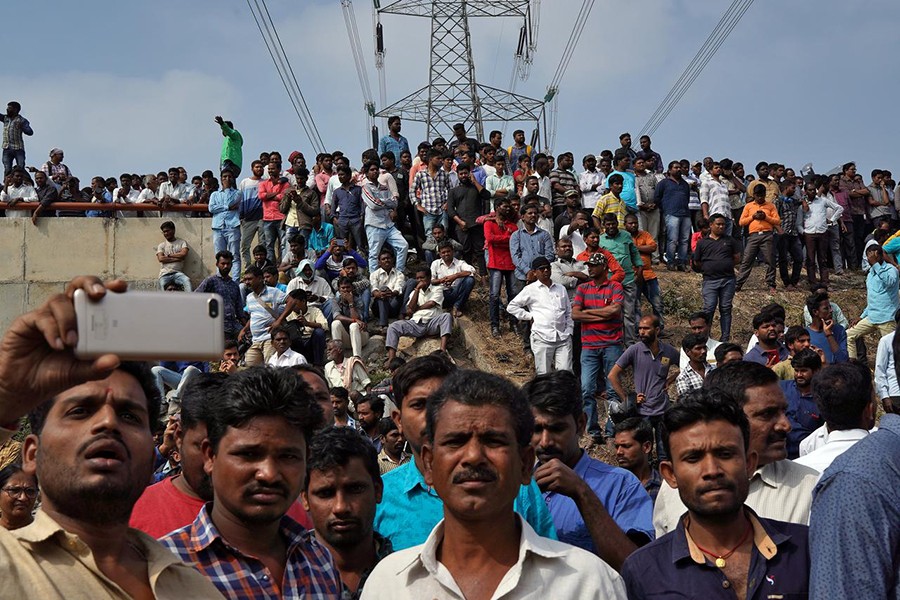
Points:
point(691, 376)
point(431, 187)
point(256, 455)
point(14, 126)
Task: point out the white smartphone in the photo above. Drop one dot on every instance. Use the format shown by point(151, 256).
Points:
point(150, 326)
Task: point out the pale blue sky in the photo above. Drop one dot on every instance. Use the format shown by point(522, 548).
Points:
point(134, 86)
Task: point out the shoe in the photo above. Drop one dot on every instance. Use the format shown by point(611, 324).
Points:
point(671, 268)
point(495, 332)
point(682, 268)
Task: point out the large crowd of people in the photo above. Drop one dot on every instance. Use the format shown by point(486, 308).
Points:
point(284, 470)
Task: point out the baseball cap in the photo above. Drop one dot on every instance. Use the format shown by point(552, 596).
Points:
point(597, 259)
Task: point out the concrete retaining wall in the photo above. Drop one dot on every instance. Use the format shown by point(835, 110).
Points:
point(40, 260)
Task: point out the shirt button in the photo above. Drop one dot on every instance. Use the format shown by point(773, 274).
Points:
point(726, 584)
point(265, 577)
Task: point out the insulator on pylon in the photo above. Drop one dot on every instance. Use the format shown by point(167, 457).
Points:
point(521, 47)
point(379, 39)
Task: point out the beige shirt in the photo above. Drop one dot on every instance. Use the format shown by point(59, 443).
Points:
point(781, 491)
point(44, 561)
point(546, 569)
point(433, 293)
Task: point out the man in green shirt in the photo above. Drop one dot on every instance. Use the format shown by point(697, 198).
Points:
point(621, 245)
point(232, 153)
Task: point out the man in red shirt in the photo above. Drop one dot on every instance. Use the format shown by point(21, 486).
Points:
point(497, 232)
point(598, 307)
point(270, 192)
point(175, 501)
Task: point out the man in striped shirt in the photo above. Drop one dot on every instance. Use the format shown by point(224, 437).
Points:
point(598, 307)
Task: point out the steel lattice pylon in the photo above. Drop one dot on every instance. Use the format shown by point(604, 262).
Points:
point(452, 94)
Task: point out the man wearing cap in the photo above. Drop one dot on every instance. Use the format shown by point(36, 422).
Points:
point(55, 169)
point(598, 307)
point(546, 305)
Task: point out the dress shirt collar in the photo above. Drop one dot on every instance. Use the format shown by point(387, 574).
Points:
point(766, 542)
point(203, 532)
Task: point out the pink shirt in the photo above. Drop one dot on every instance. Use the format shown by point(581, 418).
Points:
point(270, 206)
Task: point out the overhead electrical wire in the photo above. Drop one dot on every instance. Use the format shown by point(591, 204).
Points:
point(710, 47)
point(569, 50)
point(359, 61)
point(273, 44)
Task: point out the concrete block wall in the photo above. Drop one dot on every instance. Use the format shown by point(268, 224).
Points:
point(40, 260)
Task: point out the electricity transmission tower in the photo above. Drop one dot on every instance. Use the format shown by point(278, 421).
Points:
point(453, 95)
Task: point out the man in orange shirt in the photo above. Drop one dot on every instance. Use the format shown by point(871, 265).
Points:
point(649, 286)
point(762, 220)
point(592, 241)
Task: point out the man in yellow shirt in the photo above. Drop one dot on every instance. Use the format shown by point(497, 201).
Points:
point(611, 202)
point(762, 220)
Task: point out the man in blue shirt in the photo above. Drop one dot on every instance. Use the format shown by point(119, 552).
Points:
point(824, 333)
point(410, 508)
point(720, 545)
point(224, 204)
point(855, 521)
point(628, 195)
point(883, 299)
point(393, 141)
point(802, 411)
point(222, 284)
point(673, 196)
point(768, 351)
point(595, 506)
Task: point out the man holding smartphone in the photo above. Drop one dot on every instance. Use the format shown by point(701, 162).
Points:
point(92, 468)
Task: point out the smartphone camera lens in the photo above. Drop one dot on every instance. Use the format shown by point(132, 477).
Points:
point(213, 308)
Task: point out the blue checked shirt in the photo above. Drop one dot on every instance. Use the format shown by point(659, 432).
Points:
point(13, 130)
point(309, 570)
point(433, 190)
point(234, 315)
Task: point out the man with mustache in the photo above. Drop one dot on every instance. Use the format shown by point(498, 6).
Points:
point(411, 507)
point(477, 455)
point(720, 546)
point(779, 489)
point(595, 506)
point(255, 453)
point(91, 448)
point(343, 485)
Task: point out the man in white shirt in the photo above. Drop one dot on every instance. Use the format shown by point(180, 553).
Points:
point(699, 324)
point(483, 548)
point(171, 254)
point(780, 489)
point(546, 304)
point(455, 275)
point(500, 183)
point(284, 356)
point(590, 181)
point(387, 288)
point(18, 191)
point(846, 401)
point(172, 192)
point(126, 193)
point(427, 317)
point(567, 271)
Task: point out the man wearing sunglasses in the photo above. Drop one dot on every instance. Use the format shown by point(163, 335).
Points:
point(546, 304)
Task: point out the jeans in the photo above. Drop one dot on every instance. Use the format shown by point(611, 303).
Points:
point(649, 221)
point(758, 243)
point(9, 156)
point(656, 424)
point(271, 234)
point(721, 292)
point(176, 381)
point(848, 248)
point(678, 233)
point(249, 230)
point(386, 308)
point(291, 232)
point(498, 277)
point(177, 277)
point(861, 229)
point(429, 221)
point(377, 237)
point(789, 246)
point(313, 347)
point(817, 250)
point(347, 229)
point(629, 324)
point(649, 289)
point(834, 242)
point(229, 239)
point(591, 361)
point(458, 293)
point(365, 296)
